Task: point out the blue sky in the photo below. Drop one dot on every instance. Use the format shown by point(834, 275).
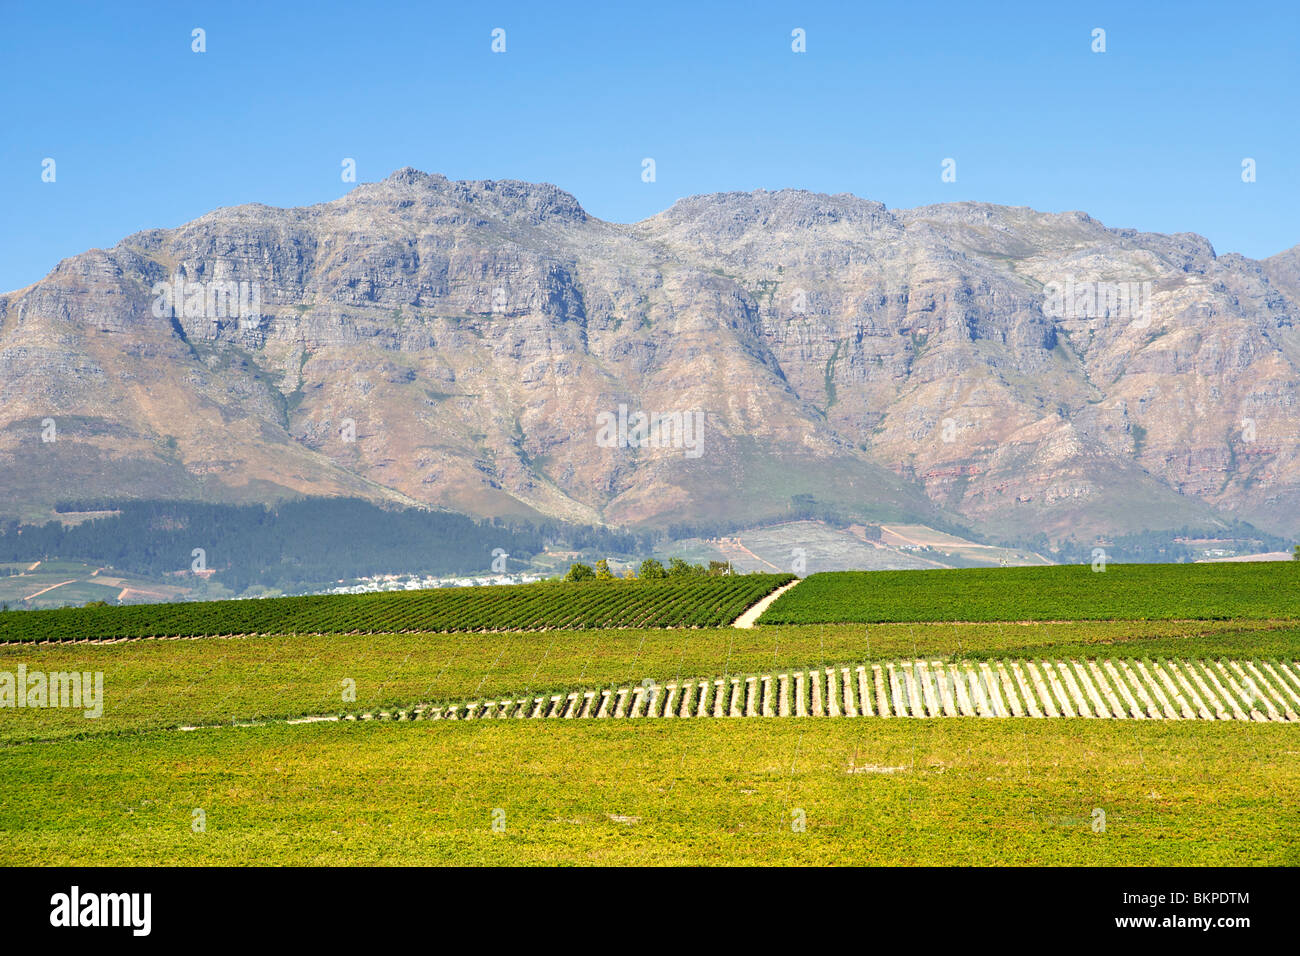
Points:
point(1150, 134)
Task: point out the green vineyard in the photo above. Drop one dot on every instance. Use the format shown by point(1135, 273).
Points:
point(690, 602)
point(1132, 592)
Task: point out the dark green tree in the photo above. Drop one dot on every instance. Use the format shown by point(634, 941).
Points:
point(679, 568)
point(580, 572)
point(651, 570)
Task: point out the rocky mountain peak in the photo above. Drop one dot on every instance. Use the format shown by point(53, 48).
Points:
point(737, 212)
point(510, 199)
point(410, 176)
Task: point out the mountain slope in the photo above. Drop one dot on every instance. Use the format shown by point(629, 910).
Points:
point(885, 364)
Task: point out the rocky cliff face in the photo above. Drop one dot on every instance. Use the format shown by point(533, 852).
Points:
point(458, 343)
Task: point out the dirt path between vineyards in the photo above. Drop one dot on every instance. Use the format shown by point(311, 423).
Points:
point(754, 613)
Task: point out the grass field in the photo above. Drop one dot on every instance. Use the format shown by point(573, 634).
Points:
point(710, 792)
point(123, 788)
point(159, 684)
point(50, 584)
point(1137, 592)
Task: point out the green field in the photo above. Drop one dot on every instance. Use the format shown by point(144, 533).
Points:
point(161, 684)
point(685, 602)
point(51, 584)
point(123, 788)
point(915, 792)
point(1136, 592)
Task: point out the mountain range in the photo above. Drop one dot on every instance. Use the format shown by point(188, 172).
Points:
point(466, 345)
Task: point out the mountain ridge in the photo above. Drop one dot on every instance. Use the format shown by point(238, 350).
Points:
point(881, 363)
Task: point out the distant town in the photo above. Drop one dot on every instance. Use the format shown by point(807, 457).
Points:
point(416, 582)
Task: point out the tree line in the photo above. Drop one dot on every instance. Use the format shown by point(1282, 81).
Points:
point(651, 569)
point(298, 543)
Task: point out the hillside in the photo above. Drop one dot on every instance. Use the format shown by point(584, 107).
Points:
point(452, 344)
